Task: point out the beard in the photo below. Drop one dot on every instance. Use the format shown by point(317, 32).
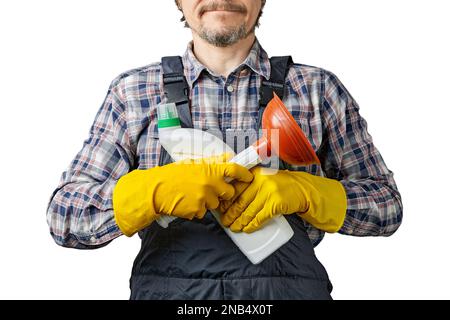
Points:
point(229, 35)
point(226, 37)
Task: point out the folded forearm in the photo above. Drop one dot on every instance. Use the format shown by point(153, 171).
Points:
point(80, 215)
point(374, 207)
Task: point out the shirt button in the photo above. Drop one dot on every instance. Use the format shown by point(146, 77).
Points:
point(230, 88)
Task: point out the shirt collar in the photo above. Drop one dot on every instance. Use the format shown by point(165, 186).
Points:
point(257, 60)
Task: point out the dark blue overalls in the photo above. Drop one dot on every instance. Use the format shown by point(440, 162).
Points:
point(197, 260)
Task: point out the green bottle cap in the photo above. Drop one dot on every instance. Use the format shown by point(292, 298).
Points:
point(168, 116)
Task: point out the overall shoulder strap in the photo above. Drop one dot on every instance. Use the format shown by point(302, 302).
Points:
point(279, 68)
point(176, 88)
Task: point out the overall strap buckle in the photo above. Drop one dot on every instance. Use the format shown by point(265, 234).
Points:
point(176, 88)
point(279, 68)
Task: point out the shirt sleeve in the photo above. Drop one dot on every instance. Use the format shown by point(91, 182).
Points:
point(80, 211)
point(347, 154)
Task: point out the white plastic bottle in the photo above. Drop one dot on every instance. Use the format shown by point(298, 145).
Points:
point(187, 143)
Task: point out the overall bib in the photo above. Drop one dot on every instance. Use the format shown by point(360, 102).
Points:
point(197, 260)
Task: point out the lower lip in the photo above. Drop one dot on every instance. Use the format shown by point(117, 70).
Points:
point(222, 11)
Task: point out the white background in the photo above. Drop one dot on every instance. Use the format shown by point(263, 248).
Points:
point(57, 59)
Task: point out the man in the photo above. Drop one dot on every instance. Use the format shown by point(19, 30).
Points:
point(101, 196)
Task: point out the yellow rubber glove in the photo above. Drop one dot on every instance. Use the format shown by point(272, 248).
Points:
point(320, 201)
point(184, 189)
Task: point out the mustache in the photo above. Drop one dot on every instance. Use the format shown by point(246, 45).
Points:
point(226, 6)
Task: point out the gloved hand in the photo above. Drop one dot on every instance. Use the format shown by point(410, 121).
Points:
point(320, 201)
point(184, 189)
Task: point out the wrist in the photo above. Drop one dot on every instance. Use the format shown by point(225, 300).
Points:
point(327, 202)
point(132, 204)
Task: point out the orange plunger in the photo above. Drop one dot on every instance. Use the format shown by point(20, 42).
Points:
point(293, 147)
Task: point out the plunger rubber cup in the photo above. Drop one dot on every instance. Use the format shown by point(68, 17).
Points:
point(293, 147)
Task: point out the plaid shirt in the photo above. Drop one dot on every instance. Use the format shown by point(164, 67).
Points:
point(124, 137)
